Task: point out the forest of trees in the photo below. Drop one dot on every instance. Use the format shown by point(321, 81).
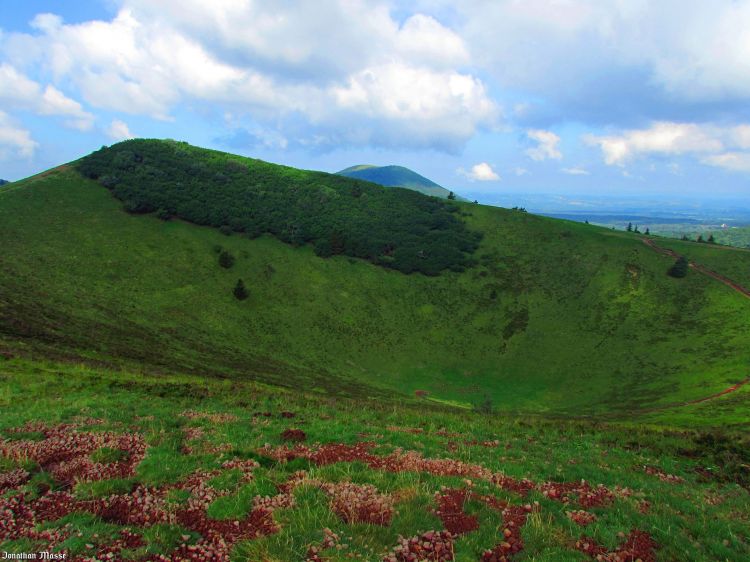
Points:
point(396, 228)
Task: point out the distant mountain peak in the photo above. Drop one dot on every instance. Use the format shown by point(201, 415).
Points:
point(395, 176)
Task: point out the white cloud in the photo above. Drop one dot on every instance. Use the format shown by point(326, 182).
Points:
point(668, 138)
point(547, 145)
point(480, 172)
point(20, 92)
point(118, 130)
point(422, 38)
point(367, 79)
point(520, 171)
point(576, 171)
point(734, 161)
point(688, 50)
point(15, 142)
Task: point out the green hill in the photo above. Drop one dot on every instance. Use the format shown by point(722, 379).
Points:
point(542, 316)
point(532, 388)
point(395, 176)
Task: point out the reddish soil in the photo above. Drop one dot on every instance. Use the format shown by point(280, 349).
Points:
point(581, 492)
point(66, 449)
point(65, 454)
point(293, 435)
point(450, 510)
point(663, 476)
point(637, 546)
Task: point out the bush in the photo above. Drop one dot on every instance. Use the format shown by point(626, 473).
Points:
point(239, 291)
point(680, 267)
point(226, 260)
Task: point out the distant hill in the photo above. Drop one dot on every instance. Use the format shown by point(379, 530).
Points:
point(395, 176)
point(3, 182)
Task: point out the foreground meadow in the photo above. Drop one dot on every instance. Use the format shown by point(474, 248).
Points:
point(105, 465)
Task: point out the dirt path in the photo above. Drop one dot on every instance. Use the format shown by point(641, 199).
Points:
point(729, 390)
point(726, 281)
point(698, 267)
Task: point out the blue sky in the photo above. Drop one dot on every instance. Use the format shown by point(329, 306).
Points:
point(599, 97)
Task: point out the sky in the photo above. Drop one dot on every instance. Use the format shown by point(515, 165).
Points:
point(598, 97)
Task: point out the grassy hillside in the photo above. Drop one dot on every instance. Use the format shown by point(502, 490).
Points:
point(397, 229)
point(193, 467)
point(555, 317)
point(395, 176)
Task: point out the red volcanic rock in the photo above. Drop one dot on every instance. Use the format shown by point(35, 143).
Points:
point(356, 503)
point(581, 517)
point(637, 546)
point(65, 452)
point(514, 518)
point(663, 476)
point(431, 546)
point(287, 414)
point(13, 478)
point(293, 435)
point(450, 510)
point(585, 495)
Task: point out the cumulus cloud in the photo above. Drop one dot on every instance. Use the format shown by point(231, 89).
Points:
point(666, 138)
point(480, 172)
point(20, 92)
point(15, 142)
point(576, 171)
point(368, 79)
point(583, 57)
point(118, 130)
point(547, 145)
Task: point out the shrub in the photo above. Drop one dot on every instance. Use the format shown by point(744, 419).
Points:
point(239, 291)
point(226, 260)
point(680, 267)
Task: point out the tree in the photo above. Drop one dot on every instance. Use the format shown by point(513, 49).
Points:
point(680, 267)
point(226, 260)
point(636, 229)
point(239, 291)
point(648, 232)
point(711, 239)
point(451, 196)
point(684, 237)
point(700, 239)
point(630, 227)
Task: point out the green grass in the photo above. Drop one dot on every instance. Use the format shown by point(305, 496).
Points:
point(697, 519)
point(557, 318)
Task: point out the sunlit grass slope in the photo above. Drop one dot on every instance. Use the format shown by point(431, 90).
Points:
point(555, 317)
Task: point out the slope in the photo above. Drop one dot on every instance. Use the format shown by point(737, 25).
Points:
point(395, 176)
point(555, 317)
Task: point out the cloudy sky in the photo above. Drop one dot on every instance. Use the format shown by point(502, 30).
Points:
point(606, 97)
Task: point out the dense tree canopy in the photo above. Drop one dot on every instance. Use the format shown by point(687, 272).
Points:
point(395, 228)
